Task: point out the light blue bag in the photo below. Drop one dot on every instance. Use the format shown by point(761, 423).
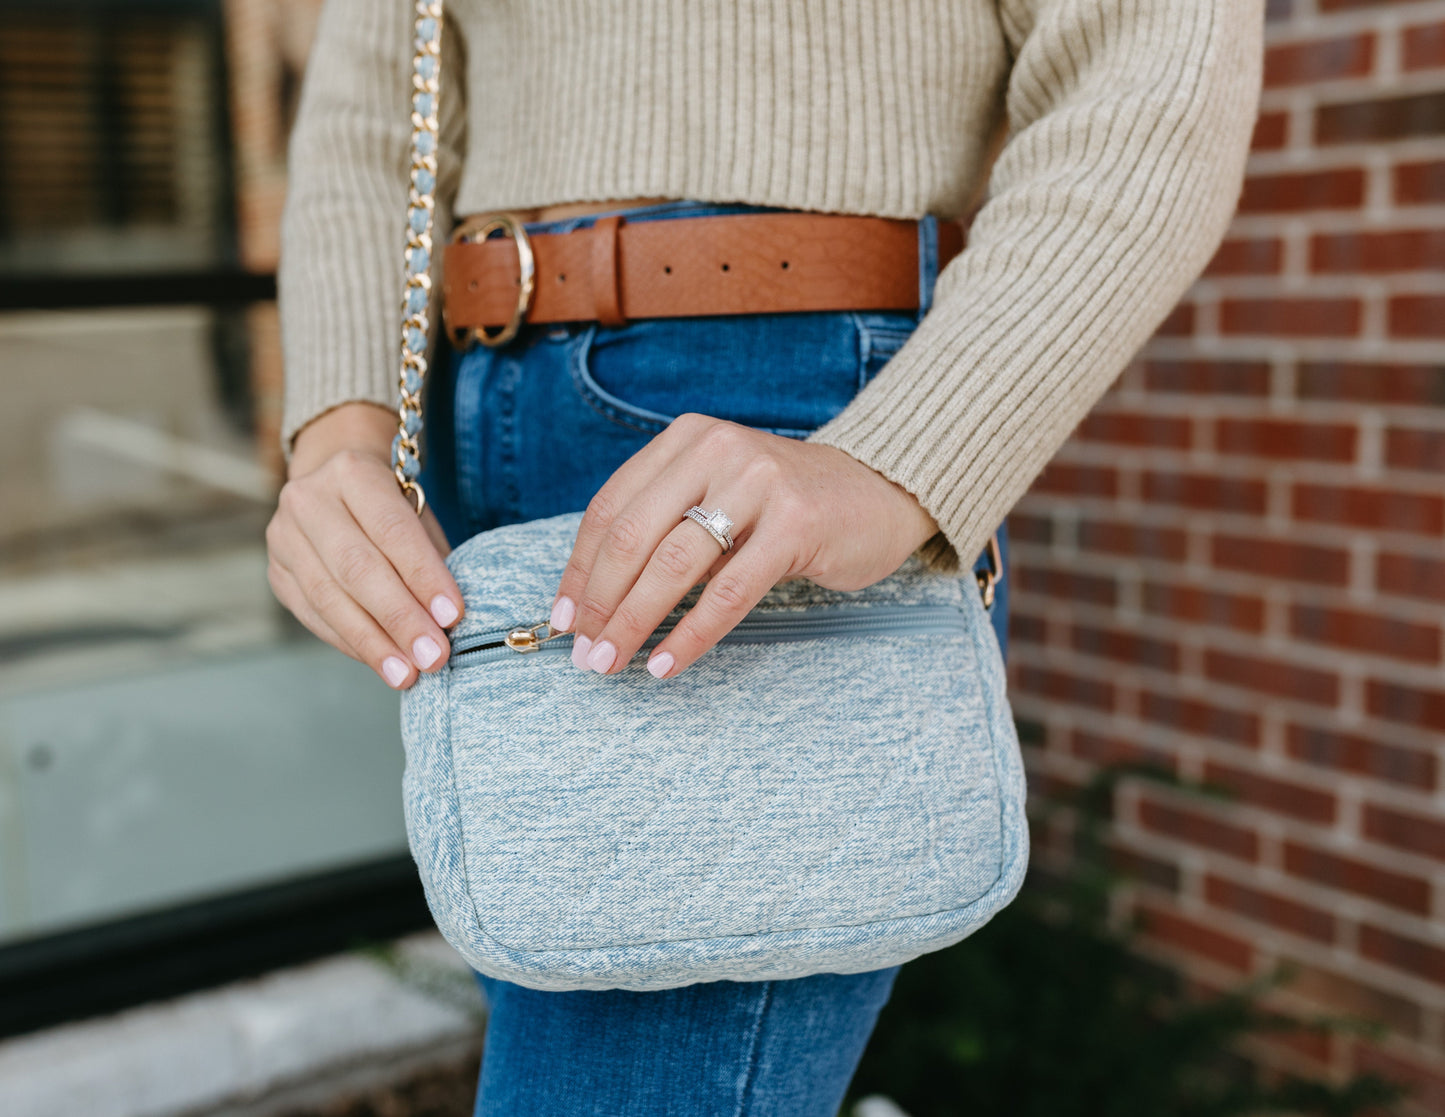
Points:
point(835, 787)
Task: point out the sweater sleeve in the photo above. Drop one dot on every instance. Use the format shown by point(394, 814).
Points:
point(1128, 126)
point(343, 229)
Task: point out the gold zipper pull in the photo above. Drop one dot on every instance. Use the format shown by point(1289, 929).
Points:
point(527, 640)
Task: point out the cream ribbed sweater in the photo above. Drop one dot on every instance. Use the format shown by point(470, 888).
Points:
point(1128, 122)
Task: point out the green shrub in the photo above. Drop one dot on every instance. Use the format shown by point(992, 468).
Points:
point(1047, 1012)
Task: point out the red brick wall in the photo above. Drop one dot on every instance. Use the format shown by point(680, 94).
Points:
point(1237, 564)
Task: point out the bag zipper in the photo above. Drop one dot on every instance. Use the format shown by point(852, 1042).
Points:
point(881, 620)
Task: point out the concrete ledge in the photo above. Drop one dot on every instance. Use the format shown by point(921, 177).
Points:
point(254, 1047)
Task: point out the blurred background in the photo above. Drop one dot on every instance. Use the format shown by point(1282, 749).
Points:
point(181, 766)
point(1234, 571)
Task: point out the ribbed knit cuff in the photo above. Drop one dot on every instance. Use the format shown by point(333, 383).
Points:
point(343, 230)
point(1115, 188)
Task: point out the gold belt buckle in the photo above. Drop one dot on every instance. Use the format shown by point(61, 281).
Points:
point(479, 229)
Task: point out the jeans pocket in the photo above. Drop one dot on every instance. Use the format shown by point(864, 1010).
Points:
point(785, 373)
point(881, 333)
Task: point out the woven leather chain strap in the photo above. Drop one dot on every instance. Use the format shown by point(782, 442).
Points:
point(420, 221)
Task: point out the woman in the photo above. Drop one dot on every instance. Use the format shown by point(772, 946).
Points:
point(840, 441)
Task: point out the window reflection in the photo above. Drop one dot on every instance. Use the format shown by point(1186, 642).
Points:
point(168, 733)
point(110, 120)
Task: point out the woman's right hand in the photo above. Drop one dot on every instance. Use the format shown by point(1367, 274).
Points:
point(350, 557)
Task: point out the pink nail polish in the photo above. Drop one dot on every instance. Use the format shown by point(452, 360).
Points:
point(424, 652)
point(581, 645)
point(563, 614)
point(660, 664)
point(395, 670)
point(442, 610)
point(602, 656)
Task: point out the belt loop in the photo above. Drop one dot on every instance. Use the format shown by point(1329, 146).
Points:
point(606, 296)
point(927, 262)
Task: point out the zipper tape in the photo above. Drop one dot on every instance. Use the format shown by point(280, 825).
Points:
point(879, 620)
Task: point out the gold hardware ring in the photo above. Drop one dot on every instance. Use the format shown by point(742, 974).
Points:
point(477, 229)
point(987, 579)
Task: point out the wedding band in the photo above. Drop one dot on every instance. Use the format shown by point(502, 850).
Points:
point(717, 523)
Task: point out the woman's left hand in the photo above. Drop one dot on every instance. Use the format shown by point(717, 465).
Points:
point(799, 509)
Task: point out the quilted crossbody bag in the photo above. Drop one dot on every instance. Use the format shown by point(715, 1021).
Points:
point(836, 786)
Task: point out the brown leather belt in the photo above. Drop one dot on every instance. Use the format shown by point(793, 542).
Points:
point(613, 270)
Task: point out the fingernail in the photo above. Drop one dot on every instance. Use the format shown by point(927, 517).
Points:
point(563, 614)
point(580, 647)
point(425, 651)
point(442, 610)
point(660, 664)
point(395, 670)
point(601, 657)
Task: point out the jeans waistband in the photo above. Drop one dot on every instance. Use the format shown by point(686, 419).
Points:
point(689, 207)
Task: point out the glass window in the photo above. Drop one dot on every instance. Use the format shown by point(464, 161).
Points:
point(168, 733)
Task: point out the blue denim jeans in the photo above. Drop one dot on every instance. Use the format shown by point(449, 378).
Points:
point(533, 429)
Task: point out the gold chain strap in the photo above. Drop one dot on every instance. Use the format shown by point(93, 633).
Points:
point(420, 220)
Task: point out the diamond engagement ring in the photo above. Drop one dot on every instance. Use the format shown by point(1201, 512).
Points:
point(717, 523)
